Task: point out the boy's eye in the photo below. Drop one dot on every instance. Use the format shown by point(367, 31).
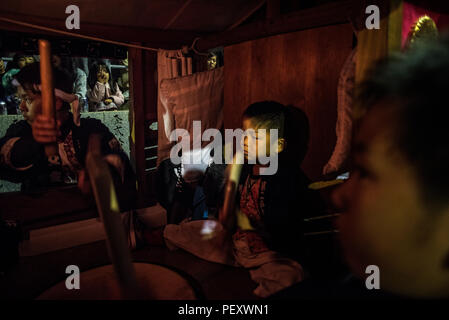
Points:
point(27, 100)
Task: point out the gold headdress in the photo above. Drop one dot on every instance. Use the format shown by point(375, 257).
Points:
point(423, 29)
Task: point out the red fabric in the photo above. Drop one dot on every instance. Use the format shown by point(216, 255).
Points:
point(251, 199)
point(252, 205)
point(253, 239)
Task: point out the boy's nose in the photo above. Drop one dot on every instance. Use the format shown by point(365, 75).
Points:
point(22, 106)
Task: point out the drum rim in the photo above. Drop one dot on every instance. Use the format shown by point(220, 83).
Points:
point(194, 283)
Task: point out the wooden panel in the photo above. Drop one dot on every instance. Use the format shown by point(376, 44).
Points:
point(328, 14)
point(299, 68)
point(200, 15)
point(167, 39)
point(50, 207)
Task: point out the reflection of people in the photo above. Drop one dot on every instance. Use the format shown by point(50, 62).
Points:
point(22, 148)
point(123, 83)
point(19, 61)
point(2, 68)
point(77, 76)
point(2, 90)
point(101, 92)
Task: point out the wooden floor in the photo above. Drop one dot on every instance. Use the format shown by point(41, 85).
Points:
point(34, 274)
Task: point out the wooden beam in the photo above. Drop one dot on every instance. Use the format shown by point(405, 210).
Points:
point(273, 9)
point(328, 14)
point(165, 39)
point(177, 14)
point(246, 15)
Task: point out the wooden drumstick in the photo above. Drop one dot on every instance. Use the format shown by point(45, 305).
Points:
point(108, 208)
point(233, 178)
point(47, 92)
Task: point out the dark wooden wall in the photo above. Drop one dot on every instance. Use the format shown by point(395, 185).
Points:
point(299, 68)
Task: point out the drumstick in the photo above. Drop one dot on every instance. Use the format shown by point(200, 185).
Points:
point(233, 178)
point(108, 208)
point(47, 92)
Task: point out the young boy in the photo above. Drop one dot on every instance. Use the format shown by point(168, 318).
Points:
point(22, 153)
point(266, 237)
point(276, 204)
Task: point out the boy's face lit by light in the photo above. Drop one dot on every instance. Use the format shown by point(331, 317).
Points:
point(386, 221)
point(256, 138)
point(30, 105)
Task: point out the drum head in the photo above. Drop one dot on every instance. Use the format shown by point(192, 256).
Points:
point(156, 283)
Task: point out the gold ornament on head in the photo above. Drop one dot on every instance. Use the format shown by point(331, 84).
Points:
point(424, 29)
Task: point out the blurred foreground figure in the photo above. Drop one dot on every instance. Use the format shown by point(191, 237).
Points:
point(396, 201)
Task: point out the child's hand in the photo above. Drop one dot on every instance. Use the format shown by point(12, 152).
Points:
point(44, 129)
point(329, 168)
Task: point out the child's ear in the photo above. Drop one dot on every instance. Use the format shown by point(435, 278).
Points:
point(281, 144)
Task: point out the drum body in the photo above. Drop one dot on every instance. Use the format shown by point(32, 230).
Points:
point(155, 283)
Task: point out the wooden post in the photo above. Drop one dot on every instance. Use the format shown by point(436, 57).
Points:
point(47, 92)
point(137, 118)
